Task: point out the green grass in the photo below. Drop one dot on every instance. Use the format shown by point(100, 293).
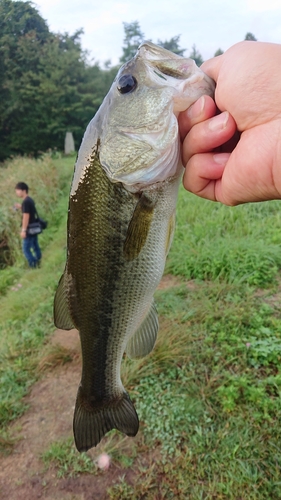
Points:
point(46, 183)
point(63, 457)
point(209, 396)
point(230, 243)
point(26, 321)
point(214, 407)
point(26, 303)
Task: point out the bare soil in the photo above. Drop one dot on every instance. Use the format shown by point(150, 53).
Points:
point(48, 419)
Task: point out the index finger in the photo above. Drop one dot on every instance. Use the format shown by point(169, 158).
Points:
point(201, 110)
point(212, 67)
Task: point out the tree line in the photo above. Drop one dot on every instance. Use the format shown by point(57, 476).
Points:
point(47, 85)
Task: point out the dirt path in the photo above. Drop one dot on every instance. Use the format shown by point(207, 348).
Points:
point(48, 419)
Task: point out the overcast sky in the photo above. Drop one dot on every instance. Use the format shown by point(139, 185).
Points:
point(209, 24)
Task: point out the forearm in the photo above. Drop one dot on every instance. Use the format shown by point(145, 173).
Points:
point(25, 221)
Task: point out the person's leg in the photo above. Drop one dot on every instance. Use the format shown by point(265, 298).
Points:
point(27, 244)
point(36, 249)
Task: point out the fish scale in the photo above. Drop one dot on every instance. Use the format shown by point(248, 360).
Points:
point(121, 222)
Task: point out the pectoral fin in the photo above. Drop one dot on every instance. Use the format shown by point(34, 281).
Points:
point(138, 227)
point(171, 231)
point(143, 340)
point(62, 317)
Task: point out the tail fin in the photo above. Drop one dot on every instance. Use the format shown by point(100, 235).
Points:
point(91, 424)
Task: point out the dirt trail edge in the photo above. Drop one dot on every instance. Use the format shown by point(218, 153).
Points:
point(48, 419)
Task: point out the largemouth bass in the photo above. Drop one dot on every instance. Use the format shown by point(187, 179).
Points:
point(121, 222)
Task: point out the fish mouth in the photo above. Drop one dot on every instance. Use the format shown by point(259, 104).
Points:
point(185, 73)
point(185, 81)
point(179, 71)
point(169, 69)
point(151, 52)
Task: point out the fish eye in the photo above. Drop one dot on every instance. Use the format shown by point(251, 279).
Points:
point(126, 84)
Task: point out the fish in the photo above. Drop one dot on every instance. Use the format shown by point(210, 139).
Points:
point(121, 222)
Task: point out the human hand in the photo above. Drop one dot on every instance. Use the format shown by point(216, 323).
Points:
point(23, 234)
point(222, 164)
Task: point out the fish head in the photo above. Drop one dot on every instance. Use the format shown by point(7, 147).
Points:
point(137, 125)
point(187, 82)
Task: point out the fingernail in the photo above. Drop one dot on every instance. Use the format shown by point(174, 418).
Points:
point(196, 108)
point(219, 122)
point(221, 159)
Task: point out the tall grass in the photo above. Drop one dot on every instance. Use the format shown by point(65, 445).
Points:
point(209, 395)
point(26, 320)
point(48, 181)
point(26, 304)
point(227, 243)
point(46, 184)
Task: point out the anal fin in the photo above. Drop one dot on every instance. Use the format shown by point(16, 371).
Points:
point(62, 317)
point(143, 340)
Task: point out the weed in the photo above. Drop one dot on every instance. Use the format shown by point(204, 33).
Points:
point(264, 351)
point(67, 460)
point(165, 410)
point(26, 312)
point(235, 244)
point(121, 490)
point(56, 355)
point(7, 442)
point(209, 394)
point(42, 178)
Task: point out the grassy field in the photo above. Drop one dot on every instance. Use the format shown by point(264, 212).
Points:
point(26, 298)
point(209, 395)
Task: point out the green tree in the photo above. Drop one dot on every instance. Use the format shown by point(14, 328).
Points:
point(46, 85)
point(218, 52)
point(133, 38)
point(172, 45)
point(195, 54)
point(18, 21)
point(92, 90)
point(18, 18)
point(250, 36)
